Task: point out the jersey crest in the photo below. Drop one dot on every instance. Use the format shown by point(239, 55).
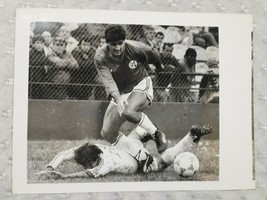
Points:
point(133, 64)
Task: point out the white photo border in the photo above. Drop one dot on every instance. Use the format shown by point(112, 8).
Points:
point(236, 161)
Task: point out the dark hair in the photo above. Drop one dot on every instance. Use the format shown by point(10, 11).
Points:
point(114, 33)
point(85, 38)
point(160, 33)
point(168, 45)
point(37, 38)
point(59, 39)
point(190, 52)
point(87, 154)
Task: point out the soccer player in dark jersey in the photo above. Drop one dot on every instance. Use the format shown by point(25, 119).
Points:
point(122, 66)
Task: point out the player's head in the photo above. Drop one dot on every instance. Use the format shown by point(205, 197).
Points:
point(87, 155)
point(115, 38)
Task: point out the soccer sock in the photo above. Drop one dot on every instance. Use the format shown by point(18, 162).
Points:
point(141, 132)
point(146, 124)
point(186, 144)
point(131, 146)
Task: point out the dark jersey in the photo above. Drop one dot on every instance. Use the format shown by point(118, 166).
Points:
point(132, 68)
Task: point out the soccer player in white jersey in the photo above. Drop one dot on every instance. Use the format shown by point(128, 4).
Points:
point(99, 160)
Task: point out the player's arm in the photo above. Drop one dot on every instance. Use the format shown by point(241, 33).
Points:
point(109, 83)
point(105, 76)
point(61, 157)
point(101, 169)
point(58, 175)
point(152, 57)
point(104, 167)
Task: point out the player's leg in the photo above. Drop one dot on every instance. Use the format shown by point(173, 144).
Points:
point(136, 149)
point(188, 143)
point(111, 123)
point(138, 100)
point(110, 132)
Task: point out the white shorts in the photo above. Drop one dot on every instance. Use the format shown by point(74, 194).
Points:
point(145, 86)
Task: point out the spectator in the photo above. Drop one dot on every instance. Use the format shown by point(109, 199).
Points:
point(85, 74)
point(31, 37)
point(72, 43)
point(203, 38)
point(150, 33)
point(59, 73)
point(210, 82)
point(47, 42)
point(186, 36)
point(172, 35)
point(102, 41)
point(99, 90)
point(158, 41)
point(163, 79)
point(37, 72)
point(149, 36)
point(182, 82)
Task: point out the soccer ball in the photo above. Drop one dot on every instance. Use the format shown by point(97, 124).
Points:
point(186, 164)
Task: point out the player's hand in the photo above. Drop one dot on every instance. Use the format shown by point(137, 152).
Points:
point(93, 172)
point(49, 168)
point(49, 175)
point(121, 105)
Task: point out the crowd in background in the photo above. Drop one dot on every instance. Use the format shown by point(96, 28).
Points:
point(62, 65)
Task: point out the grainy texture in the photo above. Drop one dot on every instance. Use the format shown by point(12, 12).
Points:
point(7, 34)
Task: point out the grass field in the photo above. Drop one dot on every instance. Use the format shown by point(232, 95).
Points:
point(41, 153)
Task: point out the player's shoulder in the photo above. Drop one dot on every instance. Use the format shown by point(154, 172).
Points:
point(137, 44)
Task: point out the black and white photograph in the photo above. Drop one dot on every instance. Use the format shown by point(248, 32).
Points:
point(128, 105)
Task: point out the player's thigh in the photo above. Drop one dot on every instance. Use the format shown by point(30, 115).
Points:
point(137, 101)
point(112, 120)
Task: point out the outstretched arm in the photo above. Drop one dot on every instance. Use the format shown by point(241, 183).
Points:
point(58, 175)
point(61, 157)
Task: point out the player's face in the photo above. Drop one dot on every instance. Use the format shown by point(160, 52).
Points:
point(116, 48)
point(94, 164)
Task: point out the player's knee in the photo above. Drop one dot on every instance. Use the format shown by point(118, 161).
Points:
point(104, 134)
point(131, 115)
